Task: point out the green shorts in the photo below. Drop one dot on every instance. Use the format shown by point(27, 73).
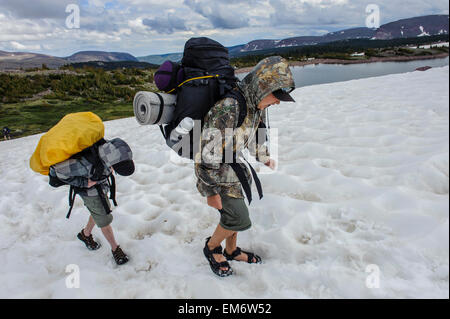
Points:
point(234, 214)
point(98, 213)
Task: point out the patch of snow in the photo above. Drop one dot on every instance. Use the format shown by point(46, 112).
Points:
point(362, 180)
point(423, 33)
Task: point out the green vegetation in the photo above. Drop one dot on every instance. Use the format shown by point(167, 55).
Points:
point(32, 102)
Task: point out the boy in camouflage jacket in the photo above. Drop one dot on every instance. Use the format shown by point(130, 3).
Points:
point(268, 83)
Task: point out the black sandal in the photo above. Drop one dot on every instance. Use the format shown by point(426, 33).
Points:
point(119, 256)
point(238, 251)
point(89, 241)
point(215, 266)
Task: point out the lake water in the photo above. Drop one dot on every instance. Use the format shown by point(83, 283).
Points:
point(329, 73)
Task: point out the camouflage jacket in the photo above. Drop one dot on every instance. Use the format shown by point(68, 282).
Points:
point(215, 176)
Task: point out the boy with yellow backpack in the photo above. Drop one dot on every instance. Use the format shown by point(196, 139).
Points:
point(75, 153)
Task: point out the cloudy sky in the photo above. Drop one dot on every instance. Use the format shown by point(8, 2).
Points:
point(143, 27)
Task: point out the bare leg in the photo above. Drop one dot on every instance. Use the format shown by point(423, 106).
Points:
point(90, 225)
point(231, 243)
point(217, 238)
point(109, 235)
point(231, 247)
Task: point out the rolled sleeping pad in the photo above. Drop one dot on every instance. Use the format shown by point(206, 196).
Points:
point(154, 108)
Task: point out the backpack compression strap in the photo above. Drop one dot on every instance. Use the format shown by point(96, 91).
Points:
point(103, 198)
point(161, 107)
point(112, 189)
point(72, 194)
point(239, 170)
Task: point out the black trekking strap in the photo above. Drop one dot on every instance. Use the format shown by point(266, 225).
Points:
point(103, 198)
point(239, 170)
point(112, 189)
point(257, 181)
point(223, 86)
point(161, 108)
point(97, 164)
point(162, 131)
point(72, 194)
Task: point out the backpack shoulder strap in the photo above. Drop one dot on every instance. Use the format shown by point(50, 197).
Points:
point(237, 95)
point(91, 155)
point(73, 191)
point(112, 189)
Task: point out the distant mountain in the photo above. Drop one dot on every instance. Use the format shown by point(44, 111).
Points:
point(414, 27)
point(86, 56)
point(25, 60)
point(176, 57)
point(355, 33)
point(114, 65)
point(236, 48)
point(160, 58)
point(406, 28)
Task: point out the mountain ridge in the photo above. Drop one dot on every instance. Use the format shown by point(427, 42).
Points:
point(431, 25)
point(403, 28)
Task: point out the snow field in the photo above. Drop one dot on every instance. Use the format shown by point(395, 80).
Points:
point(362, 180)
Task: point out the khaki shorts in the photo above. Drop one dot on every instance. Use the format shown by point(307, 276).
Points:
point(234, 214)
point(98, 213)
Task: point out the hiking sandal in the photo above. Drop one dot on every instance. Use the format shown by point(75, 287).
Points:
point(215, 266)
point(119, 256)
point(238, 251)
point(89, 241)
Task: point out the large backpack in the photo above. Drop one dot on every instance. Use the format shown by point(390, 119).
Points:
point(96, 174)
point(204, 77)
point(76, 135)
point(71, 135)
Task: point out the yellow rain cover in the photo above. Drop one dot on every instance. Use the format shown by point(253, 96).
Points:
point(71, 135)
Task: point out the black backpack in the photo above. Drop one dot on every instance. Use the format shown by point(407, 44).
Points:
point(97, 174)
point(208, 78)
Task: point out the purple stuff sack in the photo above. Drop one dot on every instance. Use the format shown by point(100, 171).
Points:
point(169, 76)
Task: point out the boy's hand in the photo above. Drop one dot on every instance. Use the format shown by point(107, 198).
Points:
point(215, 201)
point(91, 183)
point(271, 163)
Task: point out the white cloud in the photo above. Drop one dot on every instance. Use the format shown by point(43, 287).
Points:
point(19, 46)
point(142, 27)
